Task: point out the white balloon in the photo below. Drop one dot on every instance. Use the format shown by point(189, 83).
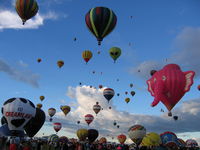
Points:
point(18, 111)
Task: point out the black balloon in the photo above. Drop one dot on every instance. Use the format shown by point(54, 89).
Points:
point(92, 135)
point(35, 124)
point(175, 117)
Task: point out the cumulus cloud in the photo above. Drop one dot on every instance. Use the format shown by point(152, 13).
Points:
point(187, 53)
point(86, 97)
point(10, 20)
point(23, 76)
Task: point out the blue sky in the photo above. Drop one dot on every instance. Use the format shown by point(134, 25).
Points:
point(159, 30)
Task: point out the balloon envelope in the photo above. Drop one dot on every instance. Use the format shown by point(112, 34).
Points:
point(36, 123)
point(92, 135)
point(136, 133)
point(82, 134)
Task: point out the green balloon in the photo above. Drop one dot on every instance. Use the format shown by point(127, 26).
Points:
point(115, 52)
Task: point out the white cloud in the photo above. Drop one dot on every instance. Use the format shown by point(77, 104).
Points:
point(187, 53)
point(86, 97)
point(11, 20)
point(25, 76)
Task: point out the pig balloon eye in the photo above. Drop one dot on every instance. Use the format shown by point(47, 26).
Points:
point(164, 78)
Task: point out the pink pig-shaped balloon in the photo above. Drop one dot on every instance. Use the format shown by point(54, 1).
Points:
point(169, 85)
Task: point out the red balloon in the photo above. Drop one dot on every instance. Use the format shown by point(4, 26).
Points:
point(57, 126)
point(89, 118)
point(169, 85)
point(198, 87)
point(121, 138)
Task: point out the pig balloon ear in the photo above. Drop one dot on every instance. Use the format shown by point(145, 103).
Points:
point(189, 75)
point(152, 72)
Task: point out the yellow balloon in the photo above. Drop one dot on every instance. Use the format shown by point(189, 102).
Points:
point(151, 139)
point(127, 100)
point(39, 106)
point(66, 109)
point(60, 63)
point(82, 134)
point(87, 55)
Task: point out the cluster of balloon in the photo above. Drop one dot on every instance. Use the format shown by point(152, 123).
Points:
point(65, 109)
point(87, 55)
point(121, 138)
point(151, 139)
point(97, 108)
point(26, 10)
point(169, 139)
point(92, 135)
point(57, 126)
point(39, 105)
point(82, 134)
point(136, 133)
point(39, 60)
point(115, 52)
point(89, 118)
point(100, 21)
point(51, 112)
point(127, 100)
point(60, 63)
point(169, 85)
point(108, 93)
point(42, 98)
point(20, 114)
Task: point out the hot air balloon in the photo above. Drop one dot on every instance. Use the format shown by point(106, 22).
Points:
point(18, 112)
point(136, 133)
point(42, 98)
point(39, 106)
point(100, 21)
point(63, 140)
point(60, 63)
point(100, 86)
point(97, 108)
point(151, 139)
point(191, 143)
point(110, 107)
point(99, 52)
point(39, 60)
point(51, 112)
point(126, 92)
point(169, 139)
point(78, 122)
point(132, 93)
point(26, 9)
point(169, 85)
point(161, 110)
point(75, 39)
point(53, 138)
point(65, 109)
point(89, 118)
point(118, 94)
point(118, 126)
point(102, 140)
point(121, 138)
point(57, 126)
point(36, 123)
point(131, 85)
point(92, 135)
point(108, 93)
point(198, 87)
point(181, 142)
point(87, 55)
point(152, 72)
point(127, 100)
point(114, 123)
point(82, 134)
point(115, 52)
point(175, 118)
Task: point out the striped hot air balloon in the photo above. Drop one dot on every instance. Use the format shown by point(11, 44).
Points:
point(89, 118)
point(26, 9)
point(100, 21)
point(97, 108)
point(87, 55)
point(108, 93)
point(57, 126)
